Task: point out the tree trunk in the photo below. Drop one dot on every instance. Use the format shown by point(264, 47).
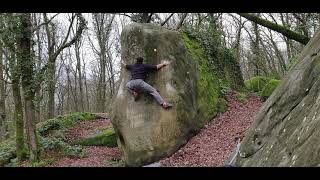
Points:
point(81, 98)
point(38, 90)
point(51, 88)
point(280, 29)
point(2, 99)
point(86, 86)
point(53, 54)
point(27, 74)
point(18, 115)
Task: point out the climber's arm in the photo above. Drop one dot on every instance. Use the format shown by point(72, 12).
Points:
point(161, 65)
point(125, 65)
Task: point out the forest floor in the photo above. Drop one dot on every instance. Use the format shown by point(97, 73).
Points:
point(212, 146)
point(96, 156)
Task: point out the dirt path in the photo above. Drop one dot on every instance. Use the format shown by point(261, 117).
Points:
point(97, 156)
point(216, 141)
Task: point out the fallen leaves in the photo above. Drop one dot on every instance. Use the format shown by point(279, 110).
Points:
point(217, 140)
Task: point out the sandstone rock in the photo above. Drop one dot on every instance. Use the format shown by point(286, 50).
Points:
point(145, 131)
point(286, 130)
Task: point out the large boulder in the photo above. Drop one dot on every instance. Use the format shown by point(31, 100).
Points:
point(286, 130)
point(145, 131)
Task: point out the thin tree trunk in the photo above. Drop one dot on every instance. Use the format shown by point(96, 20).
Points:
point(18, 115)
point(166, 20)
point(2, 98)
point(77, 51)
point(68, 89)
point(38, 90)
point(86, 86)
point(18, 111)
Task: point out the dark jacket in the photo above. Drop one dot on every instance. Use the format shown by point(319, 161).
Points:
point(140, 70)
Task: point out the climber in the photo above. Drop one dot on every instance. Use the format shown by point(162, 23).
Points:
point(137, 83)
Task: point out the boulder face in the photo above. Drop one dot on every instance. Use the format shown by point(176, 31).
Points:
point(146, 132)
point(286, 132)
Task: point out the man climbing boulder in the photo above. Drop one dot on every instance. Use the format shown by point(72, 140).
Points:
point(145, 131)
point(139, 72)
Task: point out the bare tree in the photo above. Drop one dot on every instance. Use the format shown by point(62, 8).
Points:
point(2, 98)
point(102, 25)
point(54, 50)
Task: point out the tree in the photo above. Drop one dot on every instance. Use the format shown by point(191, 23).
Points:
point(2, 98)
point(9, 29)
point(54, 50)
point(102, 25)
point(281, 29)
point(25, 60)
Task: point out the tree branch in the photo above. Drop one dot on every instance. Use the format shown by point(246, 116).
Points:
point(165, 21)
point(278, 28)
point(44, 23)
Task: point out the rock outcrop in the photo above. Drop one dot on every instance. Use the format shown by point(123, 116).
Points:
point(146, 132)
point(286, 129)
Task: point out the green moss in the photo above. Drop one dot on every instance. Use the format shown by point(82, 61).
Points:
point(63, 122)
point(269, 88)
point(222, 105)
point(7, 151)
point(221, 60)
point(256, 83)
point(208, 83)
point(59, 145)
point(241, 97)
point(40, 163)
point(106, 138)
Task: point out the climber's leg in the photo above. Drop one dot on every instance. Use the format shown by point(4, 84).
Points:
point(151, 90)
point(132, 86)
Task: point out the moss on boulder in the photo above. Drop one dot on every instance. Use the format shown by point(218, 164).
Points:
point(222, 105)
point(269, 88)
point(105, 138)
point(241, 97)
point(51, 126)
point(256, 83)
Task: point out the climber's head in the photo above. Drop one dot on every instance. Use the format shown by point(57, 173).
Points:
point(139, 60)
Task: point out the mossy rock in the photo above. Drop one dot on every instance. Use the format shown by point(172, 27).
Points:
point(63, 122)
point(59, 145)
point(285, 131)
point(269, 88)
point(241, 97)
point(105, 138)
point(256, 83)
point(222, 105)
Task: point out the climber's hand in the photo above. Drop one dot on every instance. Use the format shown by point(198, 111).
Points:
point(165, 62)
point(124, 64)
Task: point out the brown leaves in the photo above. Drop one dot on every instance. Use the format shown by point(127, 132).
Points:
point(96, 155)
point(217, 140)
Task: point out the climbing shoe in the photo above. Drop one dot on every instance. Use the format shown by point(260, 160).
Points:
point(135, 95)
point(166, 105)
